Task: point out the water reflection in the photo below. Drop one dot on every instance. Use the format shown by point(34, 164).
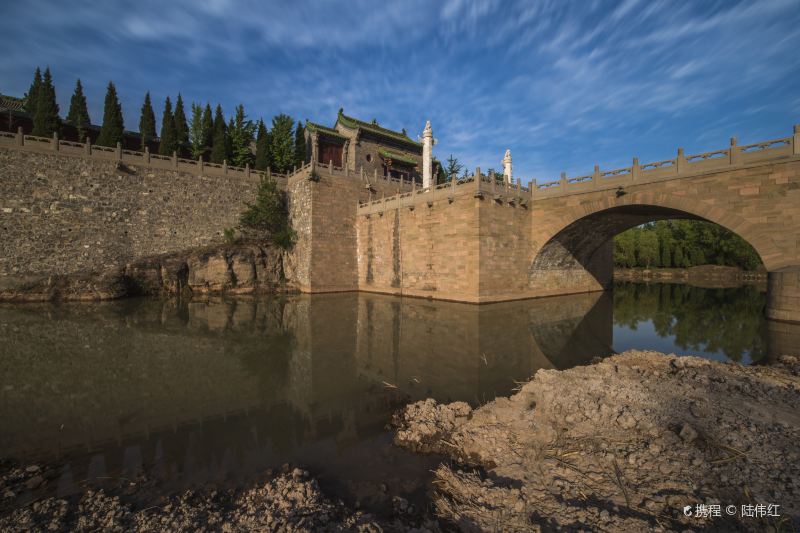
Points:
point(209, 390)
point(222, 389)
point(723, 324)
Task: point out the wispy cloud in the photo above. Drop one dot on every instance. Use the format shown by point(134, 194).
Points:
point(564, 85)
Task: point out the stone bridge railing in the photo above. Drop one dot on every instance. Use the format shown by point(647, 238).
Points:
point(681, 166)
point(145, 159)
point(483, 187)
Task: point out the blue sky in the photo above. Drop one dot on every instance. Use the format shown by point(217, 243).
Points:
point(563, 84)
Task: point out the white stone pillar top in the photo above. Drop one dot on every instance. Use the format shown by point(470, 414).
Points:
point(507, 176)
point(427, 156)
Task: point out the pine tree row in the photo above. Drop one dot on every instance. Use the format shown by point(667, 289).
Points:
point(240, 141)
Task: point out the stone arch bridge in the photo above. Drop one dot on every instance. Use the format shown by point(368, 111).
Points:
point(479, 241)
point(67, 206)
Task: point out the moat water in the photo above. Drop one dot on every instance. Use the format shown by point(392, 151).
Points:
point(196, 392)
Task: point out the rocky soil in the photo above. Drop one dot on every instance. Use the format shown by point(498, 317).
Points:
point(622, 445)
point(234, 268)
point(630, 443)
point(288, 501)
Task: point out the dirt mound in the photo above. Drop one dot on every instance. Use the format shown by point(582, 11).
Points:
point(623, 445)
point(291, 501)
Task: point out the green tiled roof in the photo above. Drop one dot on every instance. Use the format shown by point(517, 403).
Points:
point(311, 126)
point(12, 102)
point(373, 127)
point(398, 157)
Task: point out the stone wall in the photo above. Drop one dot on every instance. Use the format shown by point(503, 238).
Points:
point(469, 241)
point(323, 213)
point(62, 214)
point(430, 251)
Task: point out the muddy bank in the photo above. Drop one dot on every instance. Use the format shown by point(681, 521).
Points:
point(242, 268)
point(290, 500)
point(710, 276)
point(622, 445)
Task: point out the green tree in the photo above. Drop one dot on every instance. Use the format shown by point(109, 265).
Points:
point(208, 127)
point(168, 141)
point(453, 168)
point(179, 119)
point(32, 96)
point(113, 128)
point(299, 145)
point(78, 114)
point(686, 243)
point(147, 121)
point(625, 250)
point(438, 172)
point(269, 215)
point(648, 249)
point(281, 144)
point(241, 137)
point(197, 135)
point(679, 259)
point(46, 121)
point(219, 145)
point(262, 147)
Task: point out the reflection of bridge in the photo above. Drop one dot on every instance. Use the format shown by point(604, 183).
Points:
point(150, 366)
point(208, 389)
point(477, 241)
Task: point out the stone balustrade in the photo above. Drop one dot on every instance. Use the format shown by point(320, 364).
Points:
point(132, 157)
point(681, 166)
point(485, 187)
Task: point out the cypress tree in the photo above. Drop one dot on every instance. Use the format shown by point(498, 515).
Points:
point(113, 126)
point(78, 111)
point(262, 147)
point(208, 127)
point(219, 148)
point(196, 131)
point(147, 122)
point(46, 120)
point(168, 141)
point(181, 129)
point(299, 145)
point(32, 96)
point(240, 134)
point(281, 147)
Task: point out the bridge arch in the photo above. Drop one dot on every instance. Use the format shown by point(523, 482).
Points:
point(575, 245)
point(581, 235)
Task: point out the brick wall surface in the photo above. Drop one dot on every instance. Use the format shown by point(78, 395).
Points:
point(63, 214)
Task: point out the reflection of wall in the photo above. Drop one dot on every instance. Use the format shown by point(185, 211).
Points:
point(285, 371)
point(460, 351)
point(83, 377)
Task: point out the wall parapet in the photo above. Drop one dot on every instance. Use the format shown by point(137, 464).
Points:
point(482, 187)
point(679, 167)
point(54, 145)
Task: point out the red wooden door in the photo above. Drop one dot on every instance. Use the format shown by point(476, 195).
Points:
point(330, 152)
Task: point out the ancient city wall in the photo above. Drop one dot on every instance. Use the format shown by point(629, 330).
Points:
point(322, 208)
point(61, 214)
point(430, 250)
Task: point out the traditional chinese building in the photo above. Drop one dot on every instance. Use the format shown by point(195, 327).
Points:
point(367, 145)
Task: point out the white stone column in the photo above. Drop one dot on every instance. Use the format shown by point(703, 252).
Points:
point(427, 164)
point(507, 167)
